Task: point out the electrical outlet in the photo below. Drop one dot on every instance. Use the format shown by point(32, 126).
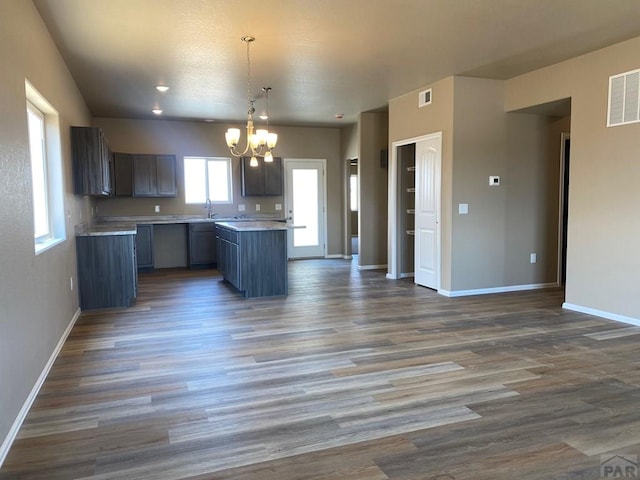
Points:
point(533, 258)
point(278, 207)
point(157, 209)
point(241, 207)
point(257, 207)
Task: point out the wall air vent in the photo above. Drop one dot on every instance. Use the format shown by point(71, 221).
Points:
point(624, 98)
point(424, 98)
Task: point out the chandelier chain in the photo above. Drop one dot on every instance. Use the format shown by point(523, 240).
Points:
point(249, 103)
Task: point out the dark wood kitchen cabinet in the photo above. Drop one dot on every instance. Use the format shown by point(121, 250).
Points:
point(202, 245)
point(107, 276)
point(144, 247)
point(91, 158)
point(265, 179)
point(254, 261)
point(154, 175)
point(122, 175)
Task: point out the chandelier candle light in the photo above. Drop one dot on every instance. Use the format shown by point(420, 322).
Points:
point(261, 142)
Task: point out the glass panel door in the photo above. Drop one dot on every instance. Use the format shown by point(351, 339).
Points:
point(305, 208)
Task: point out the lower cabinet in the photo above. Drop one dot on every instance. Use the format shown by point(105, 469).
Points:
point(107, 275)
point(202, 245)
point(144, 247)
point(254, 262)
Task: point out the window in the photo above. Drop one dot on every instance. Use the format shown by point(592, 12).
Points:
point(41, 226)
point(207, 178)
point(46, 171)
point(353, 201)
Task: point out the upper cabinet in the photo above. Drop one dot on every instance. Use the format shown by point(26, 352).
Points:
point(265, 179)
point(91, 158)
point(141, 175)
point(154, 176)
point(122, 174)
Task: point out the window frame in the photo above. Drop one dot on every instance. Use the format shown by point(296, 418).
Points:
point(50, 140)
point(207, 160)
point(43, 167)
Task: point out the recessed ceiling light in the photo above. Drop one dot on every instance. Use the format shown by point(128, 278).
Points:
point(162, 88)
point(263, 116)
point(157, 111)
point(209, 120)
point(339, 116)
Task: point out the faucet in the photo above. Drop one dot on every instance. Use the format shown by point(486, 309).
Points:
point(209, 208)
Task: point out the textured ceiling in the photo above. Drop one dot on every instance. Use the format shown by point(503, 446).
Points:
point(320, 57)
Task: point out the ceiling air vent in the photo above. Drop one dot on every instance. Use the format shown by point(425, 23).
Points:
point(624, 98)
point(424, 98)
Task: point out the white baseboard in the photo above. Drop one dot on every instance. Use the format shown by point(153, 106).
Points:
point(15, 428)
point(407, 275)
point(371, 267)
point(487, 291)
point(336, 255)
point(603, 314)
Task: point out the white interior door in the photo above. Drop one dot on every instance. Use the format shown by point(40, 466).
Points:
point(427, 221)
point(305, 207)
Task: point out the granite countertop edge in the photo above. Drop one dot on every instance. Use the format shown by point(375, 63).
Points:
point(105, 230)
point(173, 219)
point(253, 226)
point(126, 225)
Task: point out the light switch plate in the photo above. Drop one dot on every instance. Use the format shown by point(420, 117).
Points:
point(157, 209)
point(257, 207)
point(463, 208)
point(494, 180)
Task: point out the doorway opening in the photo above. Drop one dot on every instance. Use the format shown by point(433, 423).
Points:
point(414, 214)
point(407, 204)
point(565, 150)
point(354, 206)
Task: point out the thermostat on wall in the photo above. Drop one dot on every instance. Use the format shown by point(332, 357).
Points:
point(494, 181)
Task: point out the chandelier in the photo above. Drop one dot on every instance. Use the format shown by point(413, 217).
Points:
point(261, 142)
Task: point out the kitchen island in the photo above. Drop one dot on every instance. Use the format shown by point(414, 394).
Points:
point(252, 256)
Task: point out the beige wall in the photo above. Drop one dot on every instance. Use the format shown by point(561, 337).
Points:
point(489, 247)
point(36, 303)
point(407, 121)
point(603, 261)
point(372, 227)
point(184, 138)
point(349, 142)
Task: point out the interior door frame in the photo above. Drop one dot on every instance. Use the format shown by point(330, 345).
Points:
point(285, 162)
point(393, 252)
point(564, 136)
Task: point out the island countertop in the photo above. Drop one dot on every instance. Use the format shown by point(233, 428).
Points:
point(253, 226)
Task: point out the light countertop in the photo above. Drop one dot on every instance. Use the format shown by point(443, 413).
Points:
point(126, 225)
point(172, 219)
point(106, 229)
point(253, 226)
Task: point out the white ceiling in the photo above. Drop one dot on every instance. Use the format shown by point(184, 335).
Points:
point(321, 57)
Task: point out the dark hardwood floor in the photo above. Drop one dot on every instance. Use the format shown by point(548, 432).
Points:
point(352, 376)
